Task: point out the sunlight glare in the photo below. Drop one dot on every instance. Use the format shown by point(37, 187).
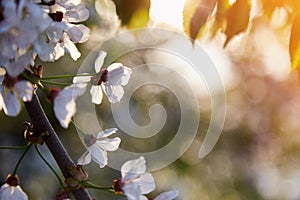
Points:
point(168, 11)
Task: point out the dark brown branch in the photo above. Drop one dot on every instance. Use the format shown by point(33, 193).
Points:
point(41, 124)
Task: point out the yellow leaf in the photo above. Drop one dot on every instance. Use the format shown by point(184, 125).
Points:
point(269, 6)
point(220, 17)
point(237, 19)
point(195, 15)
point(133, 13)
point(139, 19)
point(294, 47)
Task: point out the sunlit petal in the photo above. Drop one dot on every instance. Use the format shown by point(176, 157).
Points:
point(133, 168)
point(118, 74)
point(64, 103)
point(99, 61)
point(106, 133)
point(114, 93)
point(109, 144)
point(98, 155)
point(84, 159)
point(24, 90)
point(11, 105)
point(97, 94)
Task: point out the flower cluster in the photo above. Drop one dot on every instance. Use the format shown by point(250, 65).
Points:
point(47, 29)
point(31, 29)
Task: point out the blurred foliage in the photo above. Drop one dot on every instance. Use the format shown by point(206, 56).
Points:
point(235, 18)
point(133, 13)
point(195, 15)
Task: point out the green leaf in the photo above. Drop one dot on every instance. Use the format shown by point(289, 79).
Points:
point(294, 47)
point(237, 19)
point(195, 15)
point(133, 13)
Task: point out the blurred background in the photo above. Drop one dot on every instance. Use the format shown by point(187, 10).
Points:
point(257, 155)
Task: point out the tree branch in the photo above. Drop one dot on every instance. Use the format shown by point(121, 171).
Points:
point(41, 124)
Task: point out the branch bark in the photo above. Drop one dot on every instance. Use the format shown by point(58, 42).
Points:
point(42, 124)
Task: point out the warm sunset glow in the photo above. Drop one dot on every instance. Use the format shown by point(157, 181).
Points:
point(167, 11)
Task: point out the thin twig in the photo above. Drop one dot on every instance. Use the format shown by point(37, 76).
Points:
point(41, 124)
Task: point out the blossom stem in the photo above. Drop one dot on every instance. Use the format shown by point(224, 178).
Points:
point(54, 83)
point(21, 158)
point(82, 132)
point(67, 76)
point(15, 147)
point(34, 82)
point(94, 186)
point(51, 168)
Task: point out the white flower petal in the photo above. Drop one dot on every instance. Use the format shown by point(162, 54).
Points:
point(85, 159)
point(55, 31)
point(98, 155)
point(8, 192)
point(8, 9)
point(132, 192)
point(64, 103)
point(114, 93)
point(118, 74)
point(16, 67)
point(99, 61)
point(71, 48)
point(96, 93)
point(68, 3)
point(45, 49)
point(24, 90)
point(11, 105)
point(78, 33)
point(106, 133)
point(82, 79)
point(1, 101)
point(38, 17)
point(133, 168)
point(146, 182)
point(77, 14)
point(58, 51)
point(109, 144)
point(168, 195)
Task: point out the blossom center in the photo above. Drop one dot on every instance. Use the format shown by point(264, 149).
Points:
point(9, 81)
point(57, 17)
point(89, 140)
point(12, 180)
point(118, 185)
point(52, 94)
point(100, 77)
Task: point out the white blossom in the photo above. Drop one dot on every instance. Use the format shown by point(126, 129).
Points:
point(135, 182)
point(22, 22)
point(97, 147)
point(61, 35)
point(109, 80)
point(11, 90)
point(29, 29)
point(8, 192)
point(64, 103)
